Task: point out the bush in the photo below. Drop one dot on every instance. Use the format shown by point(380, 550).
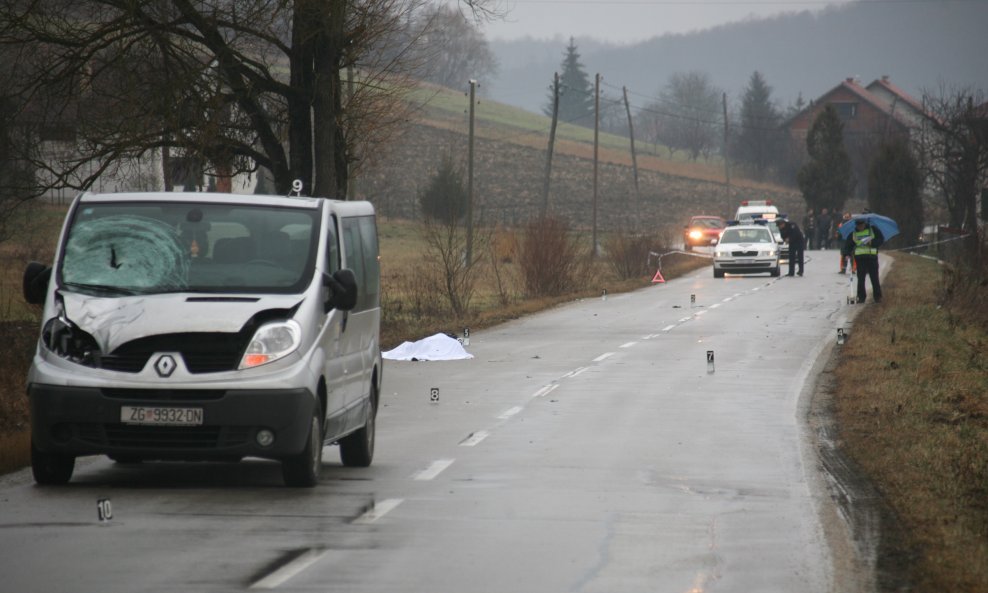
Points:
point(551, 261)
point(628, 254)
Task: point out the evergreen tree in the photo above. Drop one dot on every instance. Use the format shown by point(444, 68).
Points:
point(758, 142)
point(576, 100)
point(826, 181)
point(894, 188)
point(445, 198)
point(795, 107)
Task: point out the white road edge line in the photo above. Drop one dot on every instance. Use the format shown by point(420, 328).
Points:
point(434, 470)
point(603, 356)
point(475, 438)
point(715, 305)
point(378, 510)
point(628, 344)
point(280, 576)
point(578, 371)
point(669, 327)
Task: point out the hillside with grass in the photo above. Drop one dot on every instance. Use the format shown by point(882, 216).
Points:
point(510, 150)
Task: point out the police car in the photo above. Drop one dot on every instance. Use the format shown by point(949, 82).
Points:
point(747, 249)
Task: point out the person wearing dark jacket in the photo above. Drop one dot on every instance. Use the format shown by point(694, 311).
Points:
point(864, 242)
point(792, 235)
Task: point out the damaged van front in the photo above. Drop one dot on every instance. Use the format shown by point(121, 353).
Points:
point(207, 327)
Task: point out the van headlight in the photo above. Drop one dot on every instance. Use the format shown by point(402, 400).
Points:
point(271, 342)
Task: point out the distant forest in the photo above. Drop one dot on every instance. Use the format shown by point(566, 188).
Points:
point(919, 45)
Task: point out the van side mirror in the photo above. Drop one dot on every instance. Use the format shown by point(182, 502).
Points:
point(343, 290)
point(36, 278)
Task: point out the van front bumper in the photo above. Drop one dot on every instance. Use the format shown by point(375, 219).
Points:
point(87, 421)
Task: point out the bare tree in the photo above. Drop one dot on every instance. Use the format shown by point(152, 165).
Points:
point(235, 85)
point(452, 48)
point(687, 113)
point(954, 152)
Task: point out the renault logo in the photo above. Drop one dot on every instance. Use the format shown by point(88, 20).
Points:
point(165, 366)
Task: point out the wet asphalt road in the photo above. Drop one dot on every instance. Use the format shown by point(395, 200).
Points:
point(587, 449)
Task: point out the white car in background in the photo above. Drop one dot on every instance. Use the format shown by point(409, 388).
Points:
point(746, 249)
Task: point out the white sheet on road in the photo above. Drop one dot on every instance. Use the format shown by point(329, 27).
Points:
point(437, 347)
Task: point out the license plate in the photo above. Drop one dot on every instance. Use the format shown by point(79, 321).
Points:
point(161, 416)
point(744, 261)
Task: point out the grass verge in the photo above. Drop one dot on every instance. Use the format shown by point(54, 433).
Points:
point(912, 410)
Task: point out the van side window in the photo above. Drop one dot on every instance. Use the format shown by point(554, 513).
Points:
point(355, 258)
point(332, 247)
point(360, 240)
point(368, 235)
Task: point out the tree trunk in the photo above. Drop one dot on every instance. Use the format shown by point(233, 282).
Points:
point(330, 166)
point(300, 114)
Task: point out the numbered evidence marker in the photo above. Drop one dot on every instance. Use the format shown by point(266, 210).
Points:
point(434, 395)
point(692, 299)
point(466, 336)
point(840, 335)
point(104, 510)
point(710, 361)
point(603, 295)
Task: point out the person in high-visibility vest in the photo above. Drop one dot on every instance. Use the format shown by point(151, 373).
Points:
point(864, 243)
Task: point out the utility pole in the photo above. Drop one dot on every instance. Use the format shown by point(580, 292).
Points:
point(469, 255)
point(727, 161)
point(634, 159)
point(351, 185)
point(552, 143)
point(596, 136)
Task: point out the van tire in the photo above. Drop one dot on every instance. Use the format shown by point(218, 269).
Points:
point(302, 470)
point(51, 469)
point(718, 273)
point(776, 272)
point(357, 449)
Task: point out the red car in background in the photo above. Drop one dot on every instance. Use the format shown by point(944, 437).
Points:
point(702, 231)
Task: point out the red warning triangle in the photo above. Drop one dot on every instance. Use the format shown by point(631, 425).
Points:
point(658, 277)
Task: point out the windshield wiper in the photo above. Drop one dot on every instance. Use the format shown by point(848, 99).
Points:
point(101, 289)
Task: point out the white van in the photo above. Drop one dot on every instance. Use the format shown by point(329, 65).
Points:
point(763, 212)
point(202, 326)
point(753, 209)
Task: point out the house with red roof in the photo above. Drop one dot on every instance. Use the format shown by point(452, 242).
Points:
point(872, 115)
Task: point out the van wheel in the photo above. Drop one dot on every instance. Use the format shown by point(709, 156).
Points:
point(51, 469)
point(302, 470)
point(776, 271)
point(357, 449)
point(718, 273)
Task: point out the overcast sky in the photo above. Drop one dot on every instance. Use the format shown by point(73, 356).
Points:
point(629, 21)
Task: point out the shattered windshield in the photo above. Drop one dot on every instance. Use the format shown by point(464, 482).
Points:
point(144, 248)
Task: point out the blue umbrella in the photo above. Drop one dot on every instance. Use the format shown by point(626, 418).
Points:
point(886, 225)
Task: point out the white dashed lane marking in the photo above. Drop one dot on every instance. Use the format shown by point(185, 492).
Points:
point(509, 413)
point(547, 389)
point(475, 438)
point(434, 470)
point(378, 510)
point(280, 576)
